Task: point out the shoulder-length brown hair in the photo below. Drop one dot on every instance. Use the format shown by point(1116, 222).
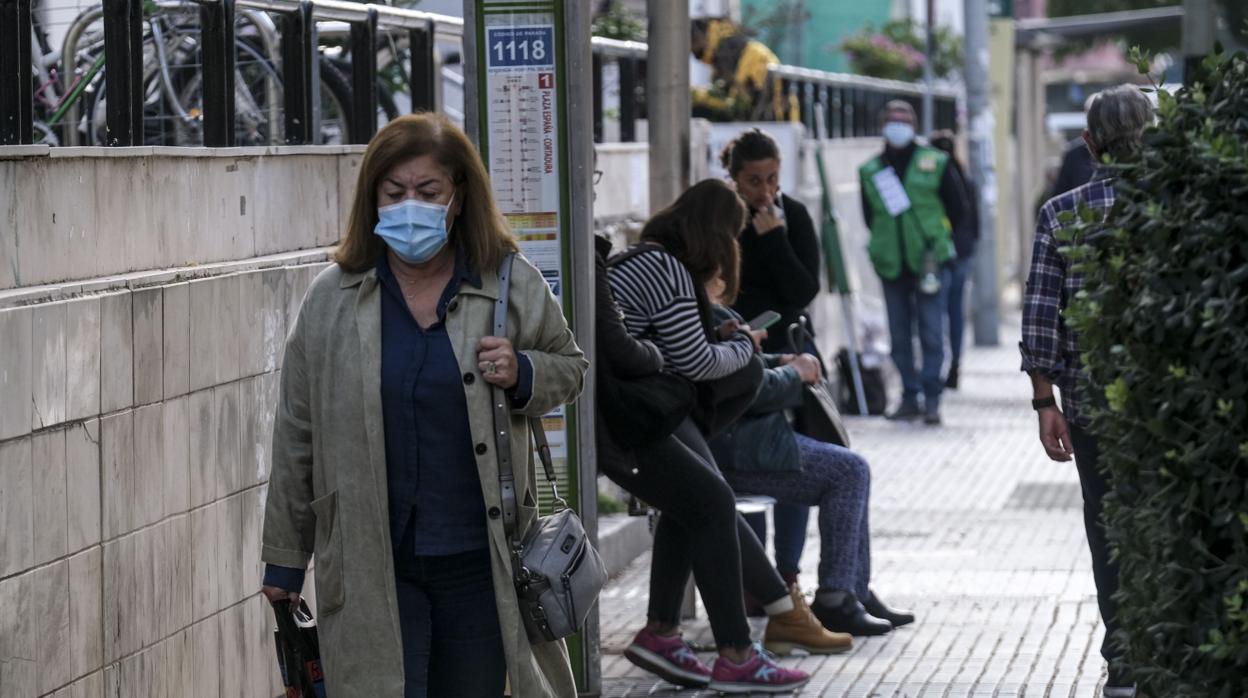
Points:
point(700, 229)
point(479, 230)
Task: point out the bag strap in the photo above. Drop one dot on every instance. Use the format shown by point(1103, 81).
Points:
point(502, 422)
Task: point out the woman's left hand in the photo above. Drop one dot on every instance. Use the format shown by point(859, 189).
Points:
point(496, 359)
point(765, 220)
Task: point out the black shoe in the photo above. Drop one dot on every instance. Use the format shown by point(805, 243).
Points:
point(875, 607)
point(848, 616)
point(951, 380)
point(1119, 683)
point(908, 409)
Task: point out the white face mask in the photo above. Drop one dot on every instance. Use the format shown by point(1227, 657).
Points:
point(898, 134)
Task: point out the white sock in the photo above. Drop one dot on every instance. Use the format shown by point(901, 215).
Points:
point(783, 604)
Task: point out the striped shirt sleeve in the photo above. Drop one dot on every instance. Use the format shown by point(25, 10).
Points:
point(656, 294)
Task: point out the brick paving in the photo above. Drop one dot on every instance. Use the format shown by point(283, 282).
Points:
point(973, 528)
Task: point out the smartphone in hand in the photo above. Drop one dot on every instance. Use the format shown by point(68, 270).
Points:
point(765, 319)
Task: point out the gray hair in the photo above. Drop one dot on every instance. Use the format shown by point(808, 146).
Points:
point(898, 105)
point(1116, 121)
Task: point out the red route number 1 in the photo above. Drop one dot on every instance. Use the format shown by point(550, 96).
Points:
point(546, 81)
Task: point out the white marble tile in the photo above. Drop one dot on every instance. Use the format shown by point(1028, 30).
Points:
point(230, 549)
point(15, 377)
point(233, 662)
point(227, 322)
point(117, 355)
point(176, 352)
point(149, 456)
point(48, 372)
point(146, 569)
point(177, 665)
point(205, 573)
point(17, 543)
point(19, 658)
point(51, 517)
point(252, 571)
point(117, 473)
point(273, 319)
point(259, 404)
point(251, 323)
point(82, 357)
point(91, 686)
point(202, 455)
point(228, 478)
point(86, 611)
point(176, 464)
point(203, 334)
point(176, 568)
point(205, 647)
point(82, 475)
point(149, 340)
point(116, 598)
point(51, 617)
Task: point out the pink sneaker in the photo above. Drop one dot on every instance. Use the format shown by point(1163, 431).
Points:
point(760, 674)
point(670, 658)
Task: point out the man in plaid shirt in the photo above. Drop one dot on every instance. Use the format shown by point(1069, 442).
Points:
point(1050, 350)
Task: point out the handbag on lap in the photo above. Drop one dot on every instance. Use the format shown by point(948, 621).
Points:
point(818, 417)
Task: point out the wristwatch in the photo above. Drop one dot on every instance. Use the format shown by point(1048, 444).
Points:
point(1043, 403)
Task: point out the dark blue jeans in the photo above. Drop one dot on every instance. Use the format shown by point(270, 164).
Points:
point(960, 271)
point(908, 306)
point(452, 644)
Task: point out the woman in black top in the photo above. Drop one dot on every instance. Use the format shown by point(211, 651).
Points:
point(779, 248)
point(780, 272)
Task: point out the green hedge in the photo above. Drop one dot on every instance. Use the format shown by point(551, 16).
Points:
point(1163, 323)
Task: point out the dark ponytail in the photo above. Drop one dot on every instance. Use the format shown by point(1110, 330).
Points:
point(748, 146)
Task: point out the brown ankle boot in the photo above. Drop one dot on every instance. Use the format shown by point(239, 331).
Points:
point(799, 629)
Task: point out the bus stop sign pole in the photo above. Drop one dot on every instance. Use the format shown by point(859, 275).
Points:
point(527, 80)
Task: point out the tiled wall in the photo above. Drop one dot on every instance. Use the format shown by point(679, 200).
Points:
point(134, 446)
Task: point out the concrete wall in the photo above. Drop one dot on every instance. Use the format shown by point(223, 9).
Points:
point(86, 213)
point(136, 413)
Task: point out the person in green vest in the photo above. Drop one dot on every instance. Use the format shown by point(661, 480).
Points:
point(912, 201)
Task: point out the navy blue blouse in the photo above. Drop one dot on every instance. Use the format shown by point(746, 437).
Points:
point(430, 461)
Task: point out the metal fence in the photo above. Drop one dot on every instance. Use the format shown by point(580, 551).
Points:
point(246, 72)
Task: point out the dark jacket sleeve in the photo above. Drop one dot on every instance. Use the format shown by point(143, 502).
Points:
point(781, 389)
point(626, 356)
point(792, 257)
point(953, 197)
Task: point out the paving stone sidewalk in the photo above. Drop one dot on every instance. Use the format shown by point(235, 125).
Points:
point(973, 528)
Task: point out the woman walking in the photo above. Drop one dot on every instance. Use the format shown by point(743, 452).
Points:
point(383, 448)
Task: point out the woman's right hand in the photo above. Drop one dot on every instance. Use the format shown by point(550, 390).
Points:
point(275, 594)
point(807, 367)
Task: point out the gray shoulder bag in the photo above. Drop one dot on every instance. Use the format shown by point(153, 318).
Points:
point(557, 573)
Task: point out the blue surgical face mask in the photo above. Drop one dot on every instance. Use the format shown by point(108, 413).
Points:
point(415, 230)
point(898, 134)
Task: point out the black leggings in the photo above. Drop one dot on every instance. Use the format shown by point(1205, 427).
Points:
point(699, 531)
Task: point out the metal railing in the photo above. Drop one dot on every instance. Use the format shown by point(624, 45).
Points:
point(852, 103)
point(289, 32)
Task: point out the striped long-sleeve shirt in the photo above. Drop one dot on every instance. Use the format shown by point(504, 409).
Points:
point(656, 294)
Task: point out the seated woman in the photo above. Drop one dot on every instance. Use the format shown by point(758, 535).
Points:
point(658, 288)
point(761, 454)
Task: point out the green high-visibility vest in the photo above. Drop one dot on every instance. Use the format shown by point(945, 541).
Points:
point(915, 232)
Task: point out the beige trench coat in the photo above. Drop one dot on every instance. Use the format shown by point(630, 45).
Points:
point(327, 493)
